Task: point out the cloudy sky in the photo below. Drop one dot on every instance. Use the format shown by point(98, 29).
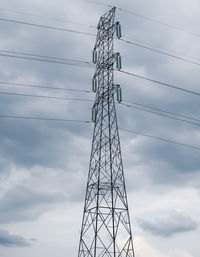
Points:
point(44, 164)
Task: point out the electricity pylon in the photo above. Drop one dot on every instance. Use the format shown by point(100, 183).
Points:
point(106, 229)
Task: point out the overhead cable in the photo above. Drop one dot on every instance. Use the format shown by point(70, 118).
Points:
point(87, 91)
point(78, 64)
point(86, 121)
point(161, 139)
point(45, 96)
point(91, 34)
point(90, 100)
point(44, 56)
point(42, 118)
point(45, 87)
point(162, 110)
point(45, 17)
point(46, 26)
point(171, 26)
point(160, 82)
point(161, 114)
point(161, 47)
point(160, 52)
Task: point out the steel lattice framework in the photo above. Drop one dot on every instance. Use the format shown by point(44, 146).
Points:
point(106, 229)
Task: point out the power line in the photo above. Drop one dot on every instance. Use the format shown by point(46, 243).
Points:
point(46, 27)
point(129, 106)
point(86, 121)
point(160, 52)
point(46, 17)
point(158, 22)
point(90, 26)
point(45, 87)
point(45, 96)
point(80, 32)
point(146, 18)
point(98, 3)
point(161, 110)
point(67, 22)
point(88, 100)
point(163, 48)
point(47, 60)
point(42, 118)
point(127, 41)
point(136, 75)
point(160, 82)
point(161, 114)
point(44, 56)
point(78, 63)
point(161, 139)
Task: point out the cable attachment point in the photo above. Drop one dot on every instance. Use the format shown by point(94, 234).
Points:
point(94, 85)
point(119, 93)
point(118, 30)
point(94, 56)
point(94, 114)
point(118, 61)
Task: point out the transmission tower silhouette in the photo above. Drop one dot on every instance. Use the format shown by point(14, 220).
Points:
point(106, 229)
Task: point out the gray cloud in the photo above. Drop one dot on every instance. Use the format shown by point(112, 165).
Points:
point(169, 226)
point(10, 240)
point(22, 204)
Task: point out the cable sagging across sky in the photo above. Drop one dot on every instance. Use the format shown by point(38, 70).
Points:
point(161, 139)
point(160, 52)
point(45, 17)
point(161, 114)
point(44, 87)
point(43, 58)
point(88, 122)
point(162, 110)
point(46, 26)
point(45, 96)
point(160, 82)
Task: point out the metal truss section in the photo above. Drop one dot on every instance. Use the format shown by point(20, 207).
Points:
point(106, 229)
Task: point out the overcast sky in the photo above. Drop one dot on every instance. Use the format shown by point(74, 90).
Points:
point(44, 164)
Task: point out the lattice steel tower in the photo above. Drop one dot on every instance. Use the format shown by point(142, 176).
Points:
point(106, 229)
